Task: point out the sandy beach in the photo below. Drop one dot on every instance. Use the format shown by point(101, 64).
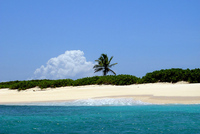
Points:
point(157, 93)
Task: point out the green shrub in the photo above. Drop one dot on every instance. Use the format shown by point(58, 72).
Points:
point(55, 83)
point(118, 80)
point(86, 81)
point(106, 80)
point(167, 75)
point(172, 75)
point(22, 85)
point(195, 76)
point(126, 80)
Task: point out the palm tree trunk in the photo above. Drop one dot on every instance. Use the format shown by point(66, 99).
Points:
point(104, 73)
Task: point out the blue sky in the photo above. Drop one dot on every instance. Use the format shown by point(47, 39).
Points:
point(142, 35)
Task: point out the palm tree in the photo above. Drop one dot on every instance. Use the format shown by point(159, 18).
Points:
point(104, 64)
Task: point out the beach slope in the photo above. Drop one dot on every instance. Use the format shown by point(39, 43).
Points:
point(157, 93)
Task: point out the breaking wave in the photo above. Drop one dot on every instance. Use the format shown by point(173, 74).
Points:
point(94, 102)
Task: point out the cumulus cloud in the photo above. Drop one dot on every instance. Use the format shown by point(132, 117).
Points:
point(71, 64)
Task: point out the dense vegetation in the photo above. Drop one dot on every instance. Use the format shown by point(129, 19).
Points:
point(167, 75)
point(172, 75)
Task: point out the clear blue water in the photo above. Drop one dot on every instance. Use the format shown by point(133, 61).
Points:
point(100, 119)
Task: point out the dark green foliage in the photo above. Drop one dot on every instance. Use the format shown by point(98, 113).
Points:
point(103, 64)
point(86, 81)
point(118, 80)
point(168, 75)
point(22, 85)
point(7, 84)
point(172, 75)
point(110, 79)
point(106, 80)
point(113, 80)
point(194, 76)
point(55, 83)
point(126, 80)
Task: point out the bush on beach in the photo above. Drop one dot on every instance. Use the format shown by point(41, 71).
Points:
point(118, 80)
point(86, 81)
point(168, 75)
point(172, 75)
point(55, 83)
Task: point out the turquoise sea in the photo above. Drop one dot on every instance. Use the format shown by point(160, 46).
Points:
point(99, 116)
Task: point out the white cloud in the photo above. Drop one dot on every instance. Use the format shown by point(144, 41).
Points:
point(72, 64)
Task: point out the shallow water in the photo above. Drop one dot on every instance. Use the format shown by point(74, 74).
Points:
point(91, 102)
point(138, 118)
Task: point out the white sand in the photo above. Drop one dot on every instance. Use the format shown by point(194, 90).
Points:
point(165, 93)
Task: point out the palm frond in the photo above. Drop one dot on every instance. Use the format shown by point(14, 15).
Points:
point(97, 70)
point(112, 71)
point(97, 66)
point(112, 64)
point(103, 63)
point(110, 59)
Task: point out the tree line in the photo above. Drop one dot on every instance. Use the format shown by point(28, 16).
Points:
point(165, 75)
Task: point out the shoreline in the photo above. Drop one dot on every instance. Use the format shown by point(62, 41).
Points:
point(155, 93)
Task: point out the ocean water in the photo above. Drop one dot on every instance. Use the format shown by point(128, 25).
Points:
point(99, 116)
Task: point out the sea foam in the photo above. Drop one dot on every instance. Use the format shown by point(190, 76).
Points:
point(93, 102)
